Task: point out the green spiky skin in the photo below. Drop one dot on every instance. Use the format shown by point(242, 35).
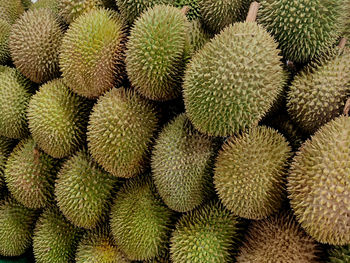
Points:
point(70, 10)
point(193, 5)
point(140, 221)
point(15, 93)
point(26, 4)
point(207, 234)
point(154, 57)
point(181, 162)
point(304, 29)
point(120, 131)
point(98, 246)
point(278, 239)
point(6, 145)
point(30, 175)
point(346, 27)
point(55, 239)
point(319, 183)
point(83, 191)
point(250, 172)
point(10, 10)
point(339, 254)
point(17, 223)
point(5, 29)
point(58, 118)
point(224, 91)
point(318, 97)
point(92, 52)
point(34, 43)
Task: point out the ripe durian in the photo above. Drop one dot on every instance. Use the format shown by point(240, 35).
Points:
point(206, 234)
point(5, 29)
point(339, 254)
point(319, 183)
point(193, 5)
point(140, 221)
point(181, 162)
point(120, 131)
point(6, 145)
point(92, 52)
point(15, 93)
point(17, 223)
point(58, 119)
point(278, 239)
point(55, 239)
point(83, 191)
point(30, 175)
point(155, 51)
point(10, 10)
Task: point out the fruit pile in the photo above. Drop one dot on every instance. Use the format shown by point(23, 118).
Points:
point(176, 131)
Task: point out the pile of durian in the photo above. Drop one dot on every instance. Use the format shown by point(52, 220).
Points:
point(205, 131)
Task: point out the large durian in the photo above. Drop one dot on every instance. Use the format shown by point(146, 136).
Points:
point(10, 10)
point(5, 29)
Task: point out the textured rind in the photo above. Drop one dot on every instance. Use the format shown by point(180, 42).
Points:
point(55, 239)
point(206, 234)
point(249, 174)
point(92, 53)
point(70, 10)
point(83, 191)
point(17, 223)
point(6, 145)
point(193, 5)
point(316, 98)
point(181, 161)
point(120, 131)
point(304, 29)
point(319, 183)
point(10, 10)
point(278, 239)
point(15, 94)
point(154, 56)
point(233, 80)
point(58, 119)
point(5, 29)
point(26, 4)
point(339, 254)
point(140, 221)
point(30, 175)
point(50, 4)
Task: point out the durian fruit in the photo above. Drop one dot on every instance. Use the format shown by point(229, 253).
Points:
point(70, 10)
point(140, 221)
point(5, 29)
point(10, 10)
point(317, 97)
point(34, 43)
point(17, 223)
point(58, 118)
point(50, 4)
point(15, 93)
point(83, 191)
point(233, 80)
point(304, 29)
point(6, 145)
point(55, 239)
point(339, 254)
point(30, 174)
point(278, 239)
point(193, 6)
point(207, 234)
point(319, 183)
point(92, 52)
point(97, 246)
point(250, 172)
point(181, 162)
point(120, 131)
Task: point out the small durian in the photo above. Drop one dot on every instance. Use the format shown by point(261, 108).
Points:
point(6, 146)
point(58, 118)
point(11, 10)
point(5, 29)
point(121, 128)
point(70, 10)
point(339, 254)
point(30, 175)
point(92, 52)
point(319, 183)
point(140, 221)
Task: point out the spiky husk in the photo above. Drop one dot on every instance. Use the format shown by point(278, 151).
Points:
point(5, 29)
point(50, 4)
point(70, 10)
point(120, 131)
point(319, 183)
point(140, 221)
point(58, 119)
point(10, 10)
point(155, 67)
point(233, 80)
point(6, 146)
point(193, 5)
point(339, 254)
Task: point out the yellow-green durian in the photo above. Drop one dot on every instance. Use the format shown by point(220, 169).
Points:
point(5, 29)
point(339, 254)
point(10, 10)
point(70, 10)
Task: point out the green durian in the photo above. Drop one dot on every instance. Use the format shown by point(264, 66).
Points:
point(339, 254)
point(70, 10)
point(181, 162)
point(319, 183)
point(15, 93)
point(5, 29)
point(50, 4)
point(83, 191)
point(193, 6)
point(30, 175)
point(10, 10)
point(206, 234)
point(92, 53)
point(155, 51)
point(6, 145)
point(120, 131)
point(140, 221)
point(233, 80)
point(58, 119)
point(17, 223)
point(55, 239)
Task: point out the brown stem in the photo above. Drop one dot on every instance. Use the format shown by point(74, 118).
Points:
point(342, 43)
point(347, 107)
point(253, 12)
point(185, 9)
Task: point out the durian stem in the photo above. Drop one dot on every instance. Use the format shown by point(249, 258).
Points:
point(185, 9)
point(253, 12)
point(342, 43)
